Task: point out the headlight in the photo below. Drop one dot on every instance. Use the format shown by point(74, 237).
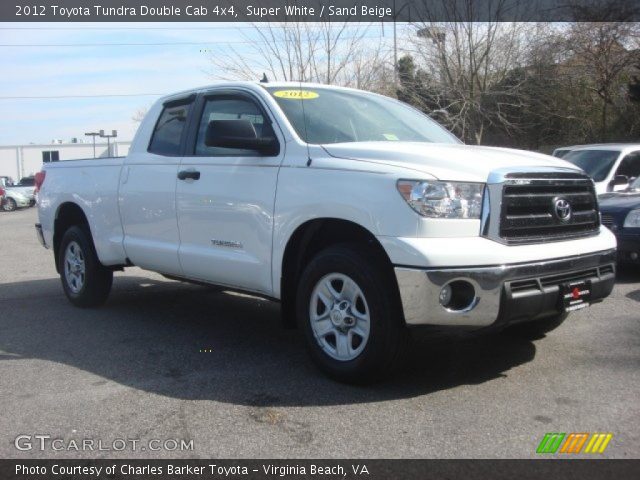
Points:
point(633, 219)
point(443, 199)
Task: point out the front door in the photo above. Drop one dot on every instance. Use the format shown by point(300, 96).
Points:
point(225, 201)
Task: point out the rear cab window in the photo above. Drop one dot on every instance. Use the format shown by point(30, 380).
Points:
point(169, 132)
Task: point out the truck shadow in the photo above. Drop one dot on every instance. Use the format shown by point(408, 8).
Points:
point(199, 343)
point(627, 274)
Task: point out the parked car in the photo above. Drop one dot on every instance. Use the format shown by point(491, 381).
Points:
point(613, 167)
point(621, 213)
point(360, 214)
point(561, 152)
point(26, 186)
point(13, 200)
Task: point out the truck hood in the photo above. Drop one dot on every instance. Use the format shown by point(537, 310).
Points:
point(444, 161)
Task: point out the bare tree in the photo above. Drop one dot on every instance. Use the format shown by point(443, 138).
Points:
point(468, 72)
point(602, 55)
point(324, 52)
point(139, 115)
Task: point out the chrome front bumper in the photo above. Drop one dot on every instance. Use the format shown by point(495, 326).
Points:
point(503, 293)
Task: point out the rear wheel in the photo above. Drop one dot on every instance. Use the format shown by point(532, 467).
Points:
point(9, 205)
point(537, 328)
point(85, 280)
point(349, 313)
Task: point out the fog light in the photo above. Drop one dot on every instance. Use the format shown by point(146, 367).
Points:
point(445, 295)
point(458, 295)
point(634, 256)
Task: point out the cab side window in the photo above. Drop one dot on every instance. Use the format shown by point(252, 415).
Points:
point(630, 166)
point(169, 131)
point(231, 108)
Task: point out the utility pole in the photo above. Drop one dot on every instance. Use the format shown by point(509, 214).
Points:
point(114, 134)
point(396, 14)
point(94, 135)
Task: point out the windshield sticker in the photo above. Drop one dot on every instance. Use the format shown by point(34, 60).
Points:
point(390, 136)
point(296, 94)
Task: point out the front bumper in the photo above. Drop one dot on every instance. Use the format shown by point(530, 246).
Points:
point(503, 293)
point(629, 247)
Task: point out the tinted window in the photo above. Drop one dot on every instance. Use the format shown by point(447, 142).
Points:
point(597, 163)
point(630, 166)
point(231, 108)
point(167, 136)
point(326, 115)
point(27, 182)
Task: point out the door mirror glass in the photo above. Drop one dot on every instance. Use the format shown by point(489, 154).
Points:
point(239, 134)
point(620, 180)
point(229, 133)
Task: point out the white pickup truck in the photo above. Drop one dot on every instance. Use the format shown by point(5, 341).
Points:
point(361, 215)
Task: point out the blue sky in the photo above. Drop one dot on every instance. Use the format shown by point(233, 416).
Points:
point(100, 70)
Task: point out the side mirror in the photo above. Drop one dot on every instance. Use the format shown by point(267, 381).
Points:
point(238, 134)
point(620, 180)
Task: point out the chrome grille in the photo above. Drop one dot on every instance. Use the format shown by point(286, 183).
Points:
point(529, 212)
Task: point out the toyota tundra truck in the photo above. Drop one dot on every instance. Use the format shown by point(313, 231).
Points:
point(362, 216)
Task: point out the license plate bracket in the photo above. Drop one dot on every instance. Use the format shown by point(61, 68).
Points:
point(575, 295)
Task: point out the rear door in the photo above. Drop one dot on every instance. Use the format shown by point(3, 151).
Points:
point(225, 204)
point(147, 193)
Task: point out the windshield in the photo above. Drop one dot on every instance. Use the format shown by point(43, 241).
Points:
point(560, 152)
point(597, 163)
point(336, 116)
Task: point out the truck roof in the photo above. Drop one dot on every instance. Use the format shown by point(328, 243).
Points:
point(605, 146)
point(251, 84)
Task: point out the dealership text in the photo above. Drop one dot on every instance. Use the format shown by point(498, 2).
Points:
point(170, 469)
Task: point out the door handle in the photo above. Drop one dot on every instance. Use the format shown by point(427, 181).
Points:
point(188, 174)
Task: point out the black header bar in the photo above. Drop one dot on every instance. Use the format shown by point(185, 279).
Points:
point(318, 10)
point(582, 469)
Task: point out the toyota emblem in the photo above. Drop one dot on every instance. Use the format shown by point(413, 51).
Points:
point(562, 209)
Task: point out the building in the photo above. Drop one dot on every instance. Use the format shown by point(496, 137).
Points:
point(17, 161)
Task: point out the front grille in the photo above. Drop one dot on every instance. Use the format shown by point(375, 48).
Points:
point(529, 207)
point(607, 221)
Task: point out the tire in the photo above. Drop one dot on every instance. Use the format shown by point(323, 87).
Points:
point(86, 282)
point(9, 205)
point(364, 339)
point(536, 328)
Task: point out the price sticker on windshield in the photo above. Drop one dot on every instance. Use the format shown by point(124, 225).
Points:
point(296, 94)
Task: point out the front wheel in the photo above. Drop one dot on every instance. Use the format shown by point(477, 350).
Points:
point(9, 205)
point(85, 281)
point(348, 309)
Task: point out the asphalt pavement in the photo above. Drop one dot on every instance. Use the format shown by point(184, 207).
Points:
point(193, 366)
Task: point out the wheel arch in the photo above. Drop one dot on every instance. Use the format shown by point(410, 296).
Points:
point(67, 215)
point(311, 237)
